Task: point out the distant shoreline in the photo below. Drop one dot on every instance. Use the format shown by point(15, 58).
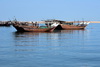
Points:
point(94, 21)
point(82, 21)
point(65, 21)
point(86, 21)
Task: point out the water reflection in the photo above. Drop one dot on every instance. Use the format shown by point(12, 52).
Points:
point(58, 46)
point(46, 35)
point(31, 41)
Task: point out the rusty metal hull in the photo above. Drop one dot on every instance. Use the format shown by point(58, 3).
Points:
point(71, 27)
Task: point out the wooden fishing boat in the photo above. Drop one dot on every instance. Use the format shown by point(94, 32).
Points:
point(6, 23)
point(35, 28)
point(72, 27)
point(69, 25)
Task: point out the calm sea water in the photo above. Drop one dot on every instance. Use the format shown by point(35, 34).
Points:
point(65, 48)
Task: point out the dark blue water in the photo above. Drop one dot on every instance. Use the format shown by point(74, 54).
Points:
point(65, 48)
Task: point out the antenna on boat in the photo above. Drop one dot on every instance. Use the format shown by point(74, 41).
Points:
point(15, 18)
point(9, 20)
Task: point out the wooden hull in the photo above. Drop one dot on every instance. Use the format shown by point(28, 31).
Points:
point(71, 27)
point(32, 28)
point(5, 24)
point(39, 29)
point(21, 28)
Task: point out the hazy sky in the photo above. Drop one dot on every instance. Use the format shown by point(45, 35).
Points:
point(36, 10)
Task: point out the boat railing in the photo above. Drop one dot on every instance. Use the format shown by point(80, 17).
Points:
point(83, 23)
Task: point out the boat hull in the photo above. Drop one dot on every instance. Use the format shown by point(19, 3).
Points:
point(21, 28)
point(33, 28)
point(71, 27)
point(5, 24)
point(39, 29)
